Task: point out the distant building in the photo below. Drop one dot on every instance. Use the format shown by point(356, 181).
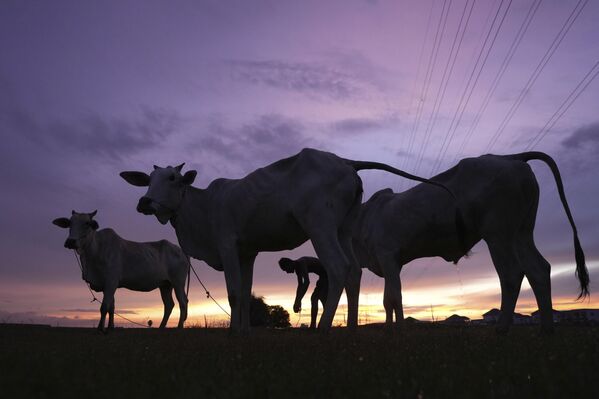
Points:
point(477, 322)
point(455, 319)
point(491, 316)
point(536, 318)
point(576, 316)
point(522, 319)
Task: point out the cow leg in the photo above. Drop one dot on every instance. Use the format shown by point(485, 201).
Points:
point(352, 283)
point(102, 316)
point(392, 298)
point(166, 293)
point(354, 276)
point(247, 275)
point(107, 303)
point(314, 306)
point(537, 271)
point(336, 264)
point(328, 249)
point(111, 317)
point(510, 275)
point(183, 302)
point(323, 297)
point(232, 269)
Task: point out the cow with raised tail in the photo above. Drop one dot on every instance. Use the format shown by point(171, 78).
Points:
point(110, 262)
point(498, 196)
point(312, 195)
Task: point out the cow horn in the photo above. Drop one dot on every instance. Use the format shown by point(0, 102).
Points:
point(73, 212)
point(180, 167)
point(91, 215)
point(155, 167)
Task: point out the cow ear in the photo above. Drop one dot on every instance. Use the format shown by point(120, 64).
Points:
point(139, 179)
point(62, 222)
point(94, 225)
point(189, 177)
point(180, 167)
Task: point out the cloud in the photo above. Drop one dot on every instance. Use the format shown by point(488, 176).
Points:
point(583, 137)
point(80, 310)
point(362, 68)
point(254, 144)
point(299, 77)
point(37, 318)
point(94, 135)
point(356, 126)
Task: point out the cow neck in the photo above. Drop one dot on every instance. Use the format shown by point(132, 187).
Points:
point(86, 252)
point(190, 213)
point(186, 200)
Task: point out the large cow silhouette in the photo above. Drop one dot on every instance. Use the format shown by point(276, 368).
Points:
point(498, 197)
point(312, 195)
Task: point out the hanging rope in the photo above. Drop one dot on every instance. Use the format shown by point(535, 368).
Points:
point(94, 299)
point(208, 295)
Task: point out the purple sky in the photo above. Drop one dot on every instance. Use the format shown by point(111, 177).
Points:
point(88, 89)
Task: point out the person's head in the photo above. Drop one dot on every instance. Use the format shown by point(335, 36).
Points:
point(287, 265)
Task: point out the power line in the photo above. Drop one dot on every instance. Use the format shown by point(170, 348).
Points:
point(564, 106)
point(504, 65)
point(451, 59)
point(427, 79)
point(411, 138)
point(537, 72)
point(430, 76)
point(453, 126)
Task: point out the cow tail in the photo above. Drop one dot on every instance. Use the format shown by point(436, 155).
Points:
point(459, 220)
point(582, 272)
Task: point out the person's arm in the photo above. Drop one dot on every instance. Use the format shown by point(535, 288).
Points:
point(303, 281)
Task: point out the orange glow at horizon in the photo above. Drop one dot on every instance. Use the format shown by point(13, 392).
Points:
point(428, 301)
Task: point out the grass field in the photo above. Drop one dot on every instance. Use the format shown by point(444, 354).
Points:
point(424, 360)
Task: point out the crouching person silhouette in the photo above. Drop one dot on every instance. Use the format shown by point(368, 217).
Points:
point(302, 267)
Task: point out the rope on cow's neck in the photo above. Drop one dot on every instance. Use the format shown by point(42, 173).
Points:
point(94, 299)
point(208, 295)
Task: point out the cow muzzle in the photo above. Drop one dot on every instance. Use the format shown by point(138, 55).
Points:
point(145, 206)
point(71, 243)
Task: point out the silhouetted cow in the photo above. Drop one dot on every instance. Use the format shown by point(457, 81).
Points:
point(110, 262)
point(498, 197)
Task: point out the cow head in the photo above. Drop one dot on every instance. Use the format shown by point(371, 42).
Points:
point(80, 226)
point(287, 265)
point(165, 190)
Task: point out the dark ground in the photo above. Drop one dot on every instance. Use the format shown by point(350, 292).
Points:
point(424, 360)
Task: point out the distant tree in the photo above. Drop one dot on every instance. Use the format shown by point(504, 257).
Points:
point(279, 317)
point(261, 314)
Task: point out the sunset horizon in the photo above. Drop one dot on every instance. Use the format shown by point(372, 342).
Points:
point(88, 92)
